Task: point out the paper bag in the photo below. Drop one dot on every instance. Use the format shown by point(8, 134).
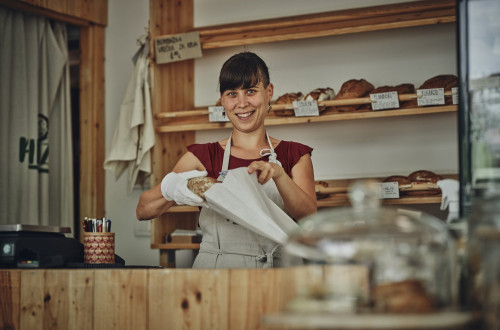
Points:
point(242, 199)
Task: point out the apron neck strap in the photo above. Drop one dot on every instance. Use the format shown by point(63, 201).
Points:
point(264, 152)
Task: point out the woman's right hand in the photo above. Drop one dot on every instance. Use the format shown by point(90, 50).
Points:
point(174, 188)
point(156, 201)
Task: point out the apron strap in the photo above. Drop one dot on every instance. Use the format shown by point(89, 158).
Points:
point(266, 258)
point(273, 157)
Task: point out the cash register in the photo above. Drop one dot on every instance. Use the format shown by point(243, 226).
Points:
point(34, 246)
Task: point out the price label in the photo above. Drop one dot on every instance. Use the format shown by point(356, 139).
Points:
point(432, 96)
point(305, 108)
point(454, 95)
point(217, 114)
point(389, 190)
point(383, 101)
point(178, 47)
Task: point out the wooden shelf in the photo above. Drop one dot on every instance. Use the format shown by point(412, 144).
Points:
point(178, 246)
point(375, 18)
point(342, 199)
point(197, 123)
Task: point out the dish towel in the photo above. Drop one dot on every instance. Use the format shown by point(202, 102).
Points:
point(450, 198)
point(134, 135)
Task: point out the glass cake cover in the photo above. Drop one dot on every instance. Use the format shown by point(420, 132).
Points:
point(369, 258)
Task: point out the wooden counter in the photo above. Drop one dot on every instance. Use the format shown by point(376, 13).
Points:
point(158, 298)
point(148, 298)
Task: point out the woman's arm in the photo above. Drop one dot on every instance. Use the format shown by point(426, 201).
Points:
point(152, 204)
point(298, 192)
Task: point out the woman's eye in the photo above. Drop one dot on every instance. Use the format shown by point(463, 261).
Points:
point(251, 91)
point(230, 93)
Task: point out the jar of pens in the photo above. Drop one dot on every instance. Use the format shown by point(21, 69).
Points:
point(98, 241)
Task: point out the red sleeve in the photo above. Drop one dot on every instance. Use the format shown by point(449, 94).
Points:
point(289, 153)
point(209, 155)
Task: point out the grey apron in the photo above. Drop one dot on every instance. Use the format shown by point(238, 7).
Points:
point(226, 244)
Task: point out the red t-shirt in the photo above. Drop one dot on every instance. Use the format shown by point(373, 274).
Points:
point(212, 154)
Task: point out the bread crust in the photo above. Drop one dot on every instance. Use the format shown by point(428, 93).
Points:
point(287, 98)
point(200, 185)
point(352, 89)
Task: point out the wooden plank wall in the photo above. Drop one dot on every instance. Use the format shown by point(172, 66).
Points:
point(172, 88)
point(152, 299)
point(92, 109)
point(79, 12)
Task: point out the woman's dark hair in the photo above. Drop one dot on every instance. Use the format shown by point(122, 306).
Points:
point(243, 70)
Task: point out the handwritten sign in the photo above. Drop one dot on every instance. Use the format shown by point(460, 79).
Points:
point(432, 96)
point(217, 114)
point(389, 190)
point(382, 101)
point(305, 108)
point(178, 47)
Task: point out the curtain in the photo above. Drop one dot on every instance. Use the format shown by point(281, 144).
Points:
point(35, 117)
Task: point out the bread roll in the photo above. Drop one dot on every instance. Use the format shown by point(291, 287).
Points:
point(287, 98)
point(200, 185)
point(352, 89)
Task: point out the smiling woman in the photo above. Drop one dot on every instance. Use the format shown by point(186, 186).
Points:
point(283, 168)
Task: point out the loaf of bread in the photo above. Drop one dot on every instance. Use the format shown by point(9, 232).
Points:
point(417, 177)
point(400, 89)
point(423, 176)
point(200, 185)
point(352, 89)
point(407, 296)
point(287, 98)
point(320, 94)
point(400, 179)
point(446, 81)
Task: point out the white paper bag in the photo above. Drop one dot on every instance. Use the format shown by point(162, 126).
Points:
point(242, 199)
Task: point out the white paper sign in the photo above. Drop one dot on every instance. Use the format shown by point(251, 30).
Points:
point(454, 95)
point(383, 101)
point(305, 108)
point(217, 114)
point(177, 47)
point(432, 96)
point(389, 190)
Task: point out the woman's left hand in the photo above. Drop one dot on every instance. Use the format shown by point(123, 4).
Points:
point(265, 170)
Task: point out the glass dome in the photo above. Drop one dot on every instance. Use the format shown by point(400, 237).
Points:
point(373, 258)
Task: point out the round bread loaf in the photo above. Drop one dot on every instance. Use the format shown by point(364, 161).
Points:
point(401, 180)
point(287, 98)
point(424, 176)
point(445, 81)
point(352, 89)
point(200, 185)
point(421, 176)
point(400, 89)
point(320, 94)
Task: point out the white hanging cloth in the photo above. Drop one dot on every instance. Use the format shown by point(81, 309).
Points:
point(134, 135)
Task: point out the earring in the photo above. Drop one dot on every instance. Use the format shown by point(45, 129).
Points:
point(269, 107)
point(224, 113)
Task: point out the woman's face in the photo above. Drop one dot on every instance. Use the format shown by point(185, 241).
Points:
point(247, 108)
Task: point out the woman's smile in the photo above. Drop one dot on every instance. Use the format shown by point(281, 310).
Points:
point(245, 115)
